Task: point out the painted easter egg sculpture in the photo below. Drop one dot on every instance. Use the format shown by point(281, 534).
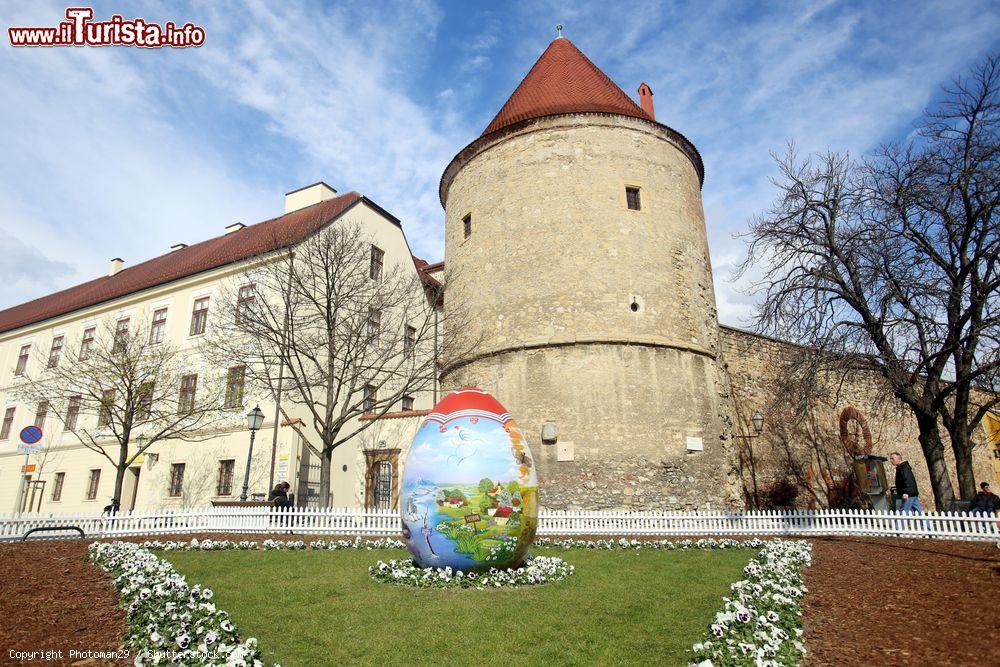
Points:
point(470, 495)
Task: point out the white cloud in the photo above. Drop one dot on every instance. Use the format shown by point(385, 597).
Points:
point(91, 170)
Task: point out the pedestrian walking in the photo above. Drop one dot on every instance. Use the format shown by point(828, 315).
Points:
point(906, 486)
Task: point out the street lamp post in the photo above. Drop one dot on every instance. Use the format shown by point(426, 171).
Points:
point(255, 419)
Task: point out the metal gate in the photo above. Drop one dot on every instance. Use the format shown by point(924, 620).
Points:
point(308, 492)
point(382, 497)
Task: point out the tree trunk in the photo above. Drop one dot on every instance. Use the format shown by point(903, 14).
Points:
point(326, 461)
point(937, 467)
point(119, 481)
point(962, 444)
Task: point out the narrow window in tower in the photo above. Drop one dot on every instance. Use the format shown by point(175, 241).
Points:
point(632, 198)
point(467, 225)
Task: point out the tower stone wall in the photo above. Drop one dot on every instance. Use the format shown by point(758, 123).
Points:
point(589, 315)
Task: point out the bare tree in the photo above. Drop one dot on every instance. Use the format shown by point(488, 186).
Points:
point(893, 264)
point(939, 201)
point(331, 334)
point(121, 390)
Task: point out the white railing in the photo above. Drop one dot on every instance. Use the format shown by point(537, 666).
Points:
point(356, 521)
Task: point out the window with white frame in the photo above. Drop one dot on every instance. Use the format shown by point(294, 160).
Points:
point(55, 352)
point(158, 328)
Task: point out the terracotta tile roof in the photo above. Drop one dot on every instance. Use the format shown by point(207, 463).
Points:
point(564, 81)
point(422, 269)
point(250, 241)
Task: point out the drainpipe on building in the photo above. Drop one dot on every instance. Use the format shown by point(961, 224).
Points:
point(281, 377)
point(435, 364)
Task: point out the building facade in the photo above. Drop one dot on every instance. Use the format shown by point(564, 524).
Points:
point(576, 250)
point(180, 291)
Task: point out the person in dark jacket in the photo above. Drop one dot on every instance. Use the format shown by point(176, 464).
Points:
point(985, 502)
point(279, 495)
point(906, 485)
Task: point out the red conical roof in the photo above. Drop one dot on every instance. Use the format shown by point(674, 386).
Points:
point(564, 81)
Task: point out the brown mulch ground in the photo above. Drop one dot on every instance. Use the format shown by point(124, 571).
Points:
point(902, 602)
point(870, 601)
point(53, 599)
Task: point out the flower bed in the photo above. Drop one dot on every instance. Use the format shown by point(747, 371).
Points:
point(761, 624)
point(169, 621)
point(536, 570)
point(623, 543)
point(273, 545)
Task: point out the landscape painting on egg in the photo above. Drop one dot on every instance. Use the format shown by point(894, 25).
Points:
point(470, 494)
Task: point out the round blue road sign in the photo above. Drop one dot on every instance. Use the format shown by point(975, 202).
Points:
point(30, 435)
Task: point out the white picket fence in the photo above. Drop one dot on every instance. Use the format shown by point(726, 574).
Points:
point(354, 521)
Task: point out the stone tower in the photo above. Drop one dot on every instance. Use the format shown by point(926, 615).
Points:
point(576, 250)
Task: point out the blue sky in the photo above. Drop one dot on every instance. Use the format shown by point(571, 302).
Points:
point(122, 151)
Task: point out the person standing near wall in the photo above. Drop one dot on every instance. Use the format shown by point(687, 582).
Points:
point(906, 485)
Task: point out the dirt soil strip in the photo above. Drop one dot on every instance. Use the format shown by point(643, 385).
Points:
point(882, 602)
point(53, 599)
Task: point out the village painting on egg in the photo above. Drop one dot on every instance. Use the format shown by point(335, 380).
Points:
point(470, 493)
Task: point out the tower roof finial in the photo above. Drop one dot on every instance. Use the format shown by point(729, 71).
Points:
point(559, 27)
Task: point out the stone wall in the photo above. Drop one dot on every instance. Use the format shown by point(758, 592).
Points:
point(754, 363)
point(593, 316)
point(623, 416)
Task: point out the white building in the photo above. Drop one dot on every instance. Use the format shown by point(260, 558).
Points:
point(179, 291)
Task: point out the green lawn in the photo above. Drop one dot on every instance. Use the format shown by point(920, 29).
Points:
point(321, 608)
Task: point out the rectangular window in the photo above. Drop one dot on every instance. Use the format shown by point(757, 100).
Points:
point(73, 412)
point(245, 301)
point(55, 352)
point(467, 225)
point(22, 360)
point(199, 316)
point(107, 403)
point(374, 325)
point(144, 401)
point(121, 336)
point(95, 481)
point(57, 486)
point(176, 480)
point(8, 421)
point(87, 344)
point(409, 342)
point(632, 198)
point(235, 381)
point(371, 397)
point(407, 403)
point(159, 326)
point(41, 414)
point(225, 485)
point(185, 402)
point(376, 266)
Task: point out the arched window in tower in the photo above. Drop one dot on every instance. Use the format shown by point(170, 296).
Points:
point(467, 225)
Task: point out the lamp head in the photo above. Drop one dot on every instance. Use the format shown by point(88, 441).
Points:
point(255, 419)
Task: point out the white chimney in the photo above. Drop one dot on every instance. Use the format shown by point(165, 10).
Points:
point(116, 265)
point(178, 246)
point(235, 227)
point(307, 196)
